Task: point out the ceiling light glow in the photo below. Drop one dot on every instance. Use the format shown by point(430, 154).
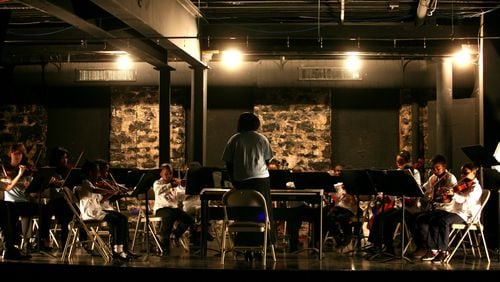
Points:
point(124, 62)
point(353, 62)
point(463, 57)
point(231, 58)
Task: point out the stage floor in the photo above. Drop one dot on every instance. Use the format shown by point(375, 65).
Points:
point(304, 264)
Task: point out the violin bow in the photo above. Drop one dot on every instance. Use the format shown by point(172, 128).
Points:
point(76, 164)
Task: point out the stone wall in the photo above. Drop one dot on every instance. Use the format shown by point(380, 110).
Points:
point(405, 123)
point(26, 124)
point(297, 123)
point(134, 136)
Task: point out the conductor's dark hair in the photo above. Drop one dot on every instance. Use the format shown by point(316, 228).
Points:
point(248, 122)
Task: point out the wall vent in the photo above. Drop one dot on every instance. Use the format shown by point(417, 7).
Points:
point(327, 73)
point(105, 75)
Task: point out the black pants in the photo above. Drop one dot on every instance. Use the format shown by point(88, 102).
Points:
point(8, 220)
point(63, 214)
point(434, 227)
point(169, 217)
point(118, 227)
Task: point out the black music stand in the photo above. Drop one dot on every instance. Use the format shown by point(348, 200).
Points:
point(279, 178)
point(74, 178)
point(401, 183)
point(314, 180)
point(200, 178)
point(144, 183)
point(480, 157)
point(359, 182)
point(41, 180)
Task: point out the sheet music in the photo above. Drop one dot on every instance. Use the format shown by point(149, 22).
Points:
point(497, 157)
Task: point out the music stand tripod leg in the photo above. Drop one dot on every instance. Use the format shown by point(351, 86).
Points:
point(403, 229)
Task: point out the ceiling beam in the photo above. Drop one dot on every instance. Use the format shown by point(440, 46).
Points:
point(134, 47)
point(162, 22)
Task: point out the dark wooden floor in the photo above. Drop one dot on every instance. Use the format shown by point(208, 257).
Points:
point(302, 265)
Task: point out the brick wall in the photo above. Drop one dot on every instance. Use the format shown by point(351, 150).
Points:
point(27, 124)
point(297, 122)
point(134, 136)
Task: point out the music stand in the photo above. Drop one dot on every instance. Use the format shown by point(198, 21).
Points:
point(144, 183)
point(359, 182)
point(314, 180)
point(279, 178)
point(41, 180)
point(480, 157)
point(75, 177)
point(200, 178)
point(401, 183)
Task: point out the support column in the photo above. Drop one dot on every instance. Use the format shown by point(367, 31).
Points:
point(444, 102)
point(198, 126)
point(415, 128)
point(164, 119)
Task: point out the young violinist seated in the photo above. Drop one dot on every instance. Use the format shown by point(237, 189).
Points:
point(56, 205)
point(106, 181)
point(24, 205)
point(454, 204)
point(169, 195)
point(8, 218)
point(91, 208)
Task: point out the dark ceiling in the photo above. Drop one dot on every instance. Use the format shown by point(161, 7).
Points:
point(263, 29)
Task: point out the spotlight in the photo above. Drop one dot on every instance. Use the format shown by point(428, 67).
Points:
point(124, 62)
point(463, 57)
point(352, 62)
point(231, 58)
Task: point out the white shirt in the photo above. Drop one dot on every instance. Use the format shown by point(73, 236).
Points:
point(466, 205)
point(90, 203)
point(167, 196)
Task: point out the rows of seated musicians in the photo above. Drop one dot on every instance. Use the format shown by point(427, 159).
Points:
point(94, 193)
point(446, 201)
point(429, 218)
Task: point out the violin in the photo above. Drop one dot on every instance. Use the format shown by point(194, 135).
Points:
point(446, 193)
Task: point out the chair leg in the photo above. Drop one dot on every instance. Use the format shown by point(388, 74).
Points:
point(136, 230)
point(264, 256)
point(223, 245)
point(152, 229)
point(484, 244)
point(459, 243)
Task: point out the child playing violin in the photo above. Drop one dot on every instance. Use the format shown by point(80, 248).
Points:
point(168, 205)
point(458, 209)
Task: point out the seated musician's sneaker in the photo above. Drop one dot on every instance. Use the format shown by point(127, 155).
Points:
point(440, 257)
point(121, 256)
point(430, 255)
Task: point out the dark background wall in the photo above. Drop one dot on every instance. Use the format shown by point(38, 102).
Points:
point(365, 126)
point(79, 120)
point(225, 104)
